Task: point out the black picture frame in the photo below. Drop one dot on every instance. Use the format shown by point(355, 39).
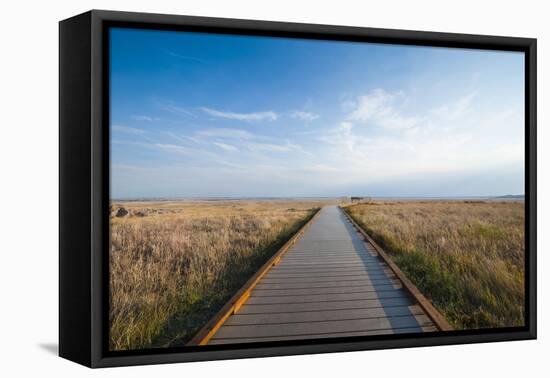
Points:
point(84, 186)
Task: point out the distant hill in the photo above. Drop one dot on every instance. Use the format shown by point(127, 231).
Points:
point(512, 196)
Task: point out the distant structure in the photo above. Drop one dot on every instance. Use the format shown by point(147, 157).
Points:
point(360, 199)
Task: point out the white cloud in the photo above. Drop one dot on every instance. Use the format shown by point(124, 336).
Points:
point(255, 116)
point(379, 108)
point(457, 109)
point(185, 57)
point(226, 133)
point(287, 146)
point(180, 137)
point(127, 129)
point(172, 147)
point(226, 147)
point(454, 137)
point(192, 154)
point(321, 168)
point(171, 107)
point(304, 116)
point(143, 118)
point(268, 147)
point(340, 136)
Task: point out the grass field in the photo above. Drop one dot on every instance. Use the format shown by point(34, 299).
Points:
point(174, 264)
point(466, 256)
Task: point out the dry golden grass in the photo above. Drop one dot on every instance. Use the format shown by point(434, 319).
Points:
point(466, 256)
point(174, 264)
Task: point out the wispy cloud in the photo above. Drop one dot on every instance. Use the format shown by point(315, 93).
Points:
point(304, 116)
point(226, 147)
point(378, 108)
point(172, 147)
point(270, 147)
point(143, 118)
point(448, 138)
point(320, 168)
point(226, 133)
point(195, 154)
point(179, 137)
point(186, 57)
point(129, 130)
point(457, 109)
point(172, 107)
point(341, 136)
point(255, 116)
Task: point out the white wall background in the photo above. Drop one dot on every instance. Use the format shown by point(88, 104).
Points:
point(29, 186)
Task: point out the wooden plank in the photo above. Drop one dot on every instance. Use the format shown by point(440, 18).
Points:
point(326, 255)
point(333, 259)
point(218, 341)
point(290, 269)
point(428, 328)
point(351, 283)
point(279, 268)
point(335, 252)
point(319, 306)
point(314, 273)
point(322, 263)
point(317, 253)
point(328, 246)
point(342, 259)
point(315, 316)
point(276, 272)
point(366, 276)
point(326, 277)
point(312, 243)
point(288, 299)
point(311, 328)
point(325, 266)
point(310, 272)
point(335, 248)
point(259, 292)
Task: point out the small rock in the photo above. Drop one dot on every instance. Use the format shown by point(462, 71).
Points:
point(121, 212)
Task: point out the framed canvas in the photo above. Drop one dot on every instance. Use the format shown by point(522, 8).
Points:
point(235, 188)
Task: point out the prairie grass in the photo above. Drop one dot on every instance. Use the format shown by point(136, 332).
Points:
point(466, 256)
point(173, 265)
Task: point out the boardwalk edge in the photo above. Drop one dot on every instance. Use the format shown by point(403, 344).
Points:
point(438, 319)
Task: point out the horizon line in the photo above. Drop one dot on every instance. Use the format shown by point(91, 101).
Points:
point(167, 198)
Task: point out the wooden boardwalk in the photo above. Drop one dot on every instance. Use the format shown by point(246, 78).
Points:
point(330, 283)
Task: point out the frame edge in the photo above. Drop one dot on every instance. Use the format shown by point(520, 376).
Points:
point(75, 273)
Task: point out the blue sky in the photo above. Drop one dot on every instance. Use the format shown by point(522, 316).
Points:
point(195, 115)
